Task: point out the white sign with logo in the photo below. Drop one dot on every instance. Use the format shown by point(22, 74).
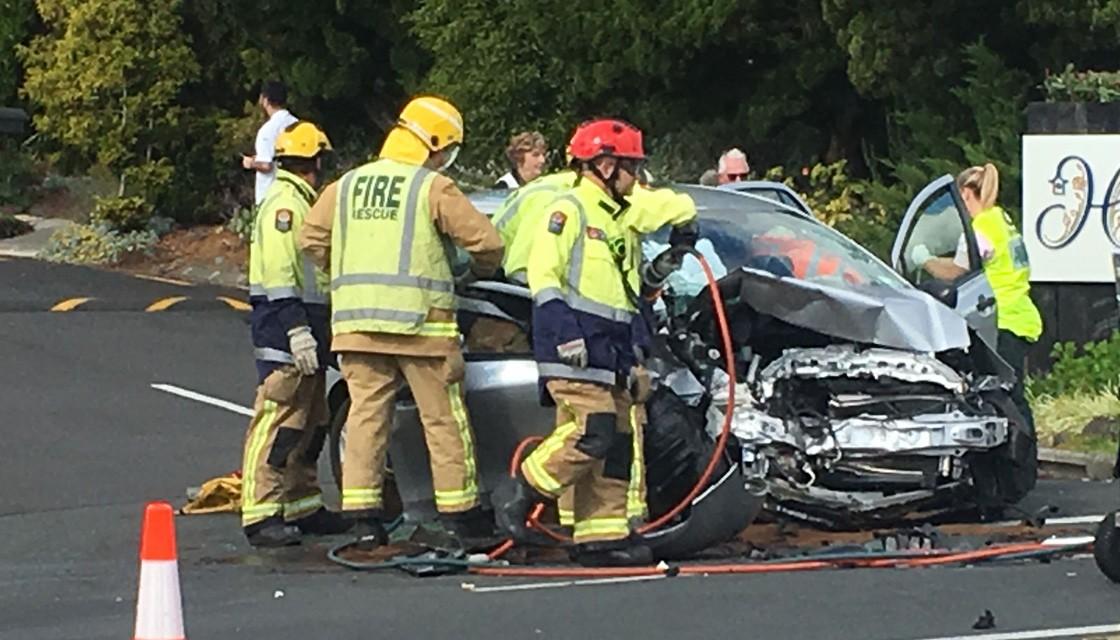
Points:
point(1071, 206)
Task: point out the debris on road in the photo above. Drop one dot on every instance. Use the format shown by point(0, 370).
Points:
point(986, 621)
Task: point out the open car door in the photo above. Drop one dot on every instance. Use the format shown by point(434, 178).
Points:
point(935, 222)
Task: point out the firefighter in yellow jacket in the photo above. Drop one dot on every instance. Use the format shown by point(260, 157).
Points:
point(381, 229)
point(589, 340)
point(524, 212)
point(280, 492)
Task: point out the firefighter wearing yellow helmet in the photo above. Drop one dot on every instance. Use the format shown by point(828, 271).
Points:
point(280, 492)
point(381, 229)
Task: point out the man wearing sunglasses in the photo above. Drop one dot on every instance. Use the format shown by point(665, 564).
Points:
point(733, 167)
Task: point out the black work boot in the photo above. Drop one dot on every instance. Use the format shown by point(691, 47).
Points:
point(369, 530)
point(474, 528)
point(512, 499)
point(272, 532)
point(323, 523)
point(628, 552)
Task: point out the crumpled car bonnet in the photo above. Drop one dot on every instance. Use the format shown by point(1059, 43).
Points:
point(885, 317)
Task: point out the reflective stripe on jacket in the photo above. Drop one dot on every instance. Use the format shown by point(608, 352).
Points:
point(286, 290)
point(583, 274)
point(389, 264)
point(1009, 272)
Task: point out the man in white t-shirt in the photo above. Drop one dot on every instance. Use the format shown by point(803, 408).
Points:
point(273, 101)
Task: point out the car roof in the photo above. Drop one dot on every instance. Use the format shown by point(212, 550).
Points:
point(487, 201)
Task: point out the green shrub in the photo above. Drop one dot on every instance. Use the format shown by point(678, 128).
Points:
point(126, 214)
point(241, 223)
point(1061, 419)
point(96, 244)
point(17, 175)
point(1082, 86)
point(1094, 367)
point(11, 226)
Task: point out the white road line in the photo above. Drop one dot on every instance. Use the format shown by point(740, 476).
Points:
point(205, 399)
point(557, 585)
point(1075, 520)
point(1055, 541)
point(1055, 522)
point(1040, 634)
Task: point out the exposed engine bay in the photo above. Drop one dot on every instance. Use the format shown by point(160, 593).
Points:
point(846, 433)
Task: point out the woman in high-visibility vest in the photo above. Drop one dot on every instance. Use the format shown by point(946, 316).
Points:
point(1005, 262)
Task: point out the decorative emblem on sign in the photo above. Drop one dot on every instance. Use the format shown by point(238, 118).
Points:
point(1073, 181)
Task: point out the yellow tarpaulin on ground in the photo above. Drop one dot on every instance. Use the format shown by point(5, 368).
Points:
point(217, 495)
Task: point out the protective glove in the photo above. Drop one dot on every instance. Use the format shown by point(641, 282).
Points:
point(656, 272)
point(640, 384)
point(304, 349)
point(573, 353)
point(685, 235)
point(920, 255)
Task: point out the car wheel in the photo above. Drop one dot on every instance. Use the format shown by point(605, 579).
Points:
point(1106, 550)
point(1005, 475)
point(338, 440)
point(392, 507)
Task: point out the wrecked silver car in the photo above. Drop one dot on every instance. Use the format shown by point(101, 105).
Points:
point(859, 398)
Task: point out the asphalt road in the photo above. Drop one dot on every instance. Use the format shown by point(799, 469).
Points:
point(86, 442)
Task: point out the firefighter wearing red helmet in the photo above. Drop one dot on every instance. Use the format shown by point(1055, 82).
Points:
point(589, 341)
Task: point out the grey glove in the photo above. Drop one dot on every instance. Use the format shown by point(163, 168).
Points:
point(573, 353)
point(656, 272)
point(639, 383)
point(304, 349)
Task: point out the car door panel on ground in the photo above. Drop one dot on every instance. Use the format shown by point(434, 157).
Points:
point(937, 219)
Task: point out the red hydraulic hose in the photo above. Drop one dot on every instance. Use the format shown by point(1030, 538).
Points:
point(721, 442)
point(725, 431)
point(966, 556)
point(808, 564)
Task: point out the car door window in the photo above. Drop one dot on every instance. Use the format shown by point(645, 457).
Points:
point(940, 227)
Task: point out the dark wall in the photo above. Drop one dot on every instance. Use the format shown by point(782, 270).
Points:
point(1071, 312)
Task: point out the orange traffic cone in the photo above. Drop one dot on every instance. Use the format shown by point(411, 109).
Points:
point(159, 607)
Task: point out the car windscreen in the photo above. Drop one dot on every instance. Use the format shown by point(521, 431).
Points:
point(783, 243)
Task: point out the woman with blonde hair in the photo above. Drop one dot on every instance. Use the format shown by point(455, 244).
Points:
point(1006, 266)
point(526, 153)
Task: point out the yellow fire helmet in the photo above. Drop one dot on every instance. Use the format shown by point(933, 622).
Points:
point(426, 125)
point(302, 140)
point(436, 122)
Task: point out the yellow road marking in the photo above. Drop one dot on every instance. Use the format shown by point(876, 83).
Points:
point(181, 283)
point(70, 304)
point(236, 304)
point(166, 303)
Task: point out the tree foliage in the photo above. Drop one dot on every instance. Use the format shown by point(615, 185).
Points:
point(888, 94)
point(17, 18)
point(106, 78)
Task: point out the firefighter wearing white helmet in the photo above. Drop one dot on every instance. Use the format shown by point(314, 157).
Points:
point(281, 498)
point(381, 229)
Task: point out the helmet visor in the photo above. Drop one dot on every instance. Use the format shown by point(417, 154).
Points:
point(451, 152)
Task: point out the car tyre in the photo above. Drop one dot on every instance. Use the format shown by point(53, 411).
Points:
point(392, 507)
point(1106, 548)
point(1006, 474)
